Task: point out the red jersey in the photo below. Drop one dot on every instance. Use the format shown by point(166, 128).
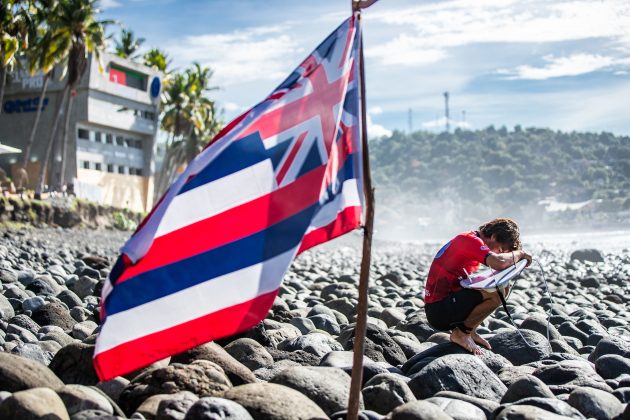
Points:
point(464, 252)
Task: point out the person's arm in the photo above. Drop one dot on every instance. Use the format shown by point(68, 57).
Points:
point(504, 260)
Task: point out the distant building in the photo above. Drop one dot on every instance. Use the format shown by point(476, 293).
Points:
point(114, 121)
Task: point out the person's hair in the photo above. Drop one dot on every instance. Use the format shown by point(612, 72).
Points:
point(505, 231)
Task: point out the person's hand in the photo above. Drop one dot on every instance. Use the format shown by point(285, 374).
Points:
point(525, 256)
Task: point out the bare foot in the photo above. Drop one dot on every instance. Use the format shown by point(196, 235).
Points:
point(480, 340)
point(464, 340)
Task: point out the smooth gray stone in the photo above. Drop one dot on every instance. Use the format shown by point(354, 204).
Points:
point(596, 403)
point(386, 391)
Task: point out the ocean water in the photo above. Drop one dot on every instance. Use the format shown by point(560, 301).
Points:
point(609, 241)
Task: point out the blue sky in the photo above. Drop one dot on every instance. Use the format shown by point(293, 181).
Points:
point(558, 64)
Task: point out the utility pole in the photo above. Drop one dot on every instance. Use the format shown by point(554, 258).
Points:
point(446, 112)
point(410, 121)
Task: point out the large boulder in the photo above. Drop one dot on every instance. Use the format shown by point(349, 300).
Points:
point(266, 401)
point(386, 391)
point(527, 412)
point(526, 386)
point(610, 345)
point(418, 410)
point(494, 361)
point(511, 345)
point(78, 398)
point(32, 404)
point(552, 405)
point(73, 364)
point(19, 373)
point(488, 407)
point(418, 325)
point(54, 313)
point(379, 346)
point(250, 353)
point(587, 254)
point(344, 360)
point(567, 375)
point(611, 366)
point(208, 408)
point(460, 373)
point(201, 377)
point(317, 344)
point(328, 387)
point(175, 406)
point(237, 372)
point(596, 403)
point(458, 409)
point(541, 325)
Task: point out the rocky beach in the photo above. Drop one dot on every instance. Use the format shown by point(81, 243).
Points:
point(569, 358)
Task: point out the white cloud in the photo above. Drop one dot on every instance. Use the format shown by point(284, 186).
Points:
point(232, 107)
point(426, 32)
point(375, 110)
point(405, 50)
point(109, 4)
point(261, 53)
point(573, 65)
point(441, 123)
point(376, 130)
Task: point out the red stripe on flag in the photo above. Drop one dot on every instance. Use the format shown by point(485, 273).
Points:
point(348, 219)
point(233, 224)
point(143, 351)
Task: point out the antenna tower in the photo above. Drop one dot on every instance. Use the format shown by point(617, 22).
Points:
point(446, 112)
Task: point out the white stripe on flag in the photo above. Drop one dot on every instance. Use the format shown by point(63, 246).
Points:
point(217, 196)
point(194, 302)
point(349, 197)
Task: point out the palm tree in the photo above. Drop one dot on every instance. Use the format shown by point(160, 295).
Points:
point(128, 45)
point(75, 33)
point(14, 27)
point(157, 59)
point(190, 118)
point(41, 58)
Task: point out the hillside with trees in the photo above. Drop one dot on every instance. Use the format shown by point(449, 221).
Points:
point(536, 175)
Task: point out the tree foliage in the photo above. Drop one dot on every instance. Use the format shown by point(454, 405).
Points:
point(489, 172)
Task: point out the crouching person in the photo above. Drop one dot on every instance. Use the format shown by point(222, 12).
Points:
point(448, 306)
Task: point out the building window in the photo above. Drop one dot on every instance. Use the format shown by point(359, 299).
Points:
point(97, 166)
point(97, 136)
point(120, 141)
point(137, 144)
point(110, 168)
point(135, 171)
point(129, 142)
point(84, 134)
point(86, 164)
point(121, 169)
point(109, 139)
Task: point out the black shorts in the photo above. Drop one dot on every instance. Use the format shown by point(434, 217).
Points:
point(446, 314)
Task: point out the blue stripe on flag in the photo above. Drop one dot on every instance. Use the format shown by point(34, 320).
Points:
point(234, 256)
point(239, 155)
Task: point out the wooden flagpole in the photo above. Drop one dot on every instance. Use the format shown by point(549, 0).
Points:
point(361, 319)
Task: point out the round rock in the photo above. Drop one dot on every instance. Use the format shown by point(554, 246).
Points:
point(460, 373)
point(386, 391)
point(267, 401)
point(208, 408)
point(328, 387)
point(201, 377)
point(31, 404)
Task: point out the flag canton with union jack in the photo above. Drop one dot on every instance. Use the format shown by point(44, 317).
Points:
point(208, 261)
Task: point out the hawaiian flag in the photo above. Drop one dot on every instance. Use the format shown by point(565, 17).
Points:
point(208, 261)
